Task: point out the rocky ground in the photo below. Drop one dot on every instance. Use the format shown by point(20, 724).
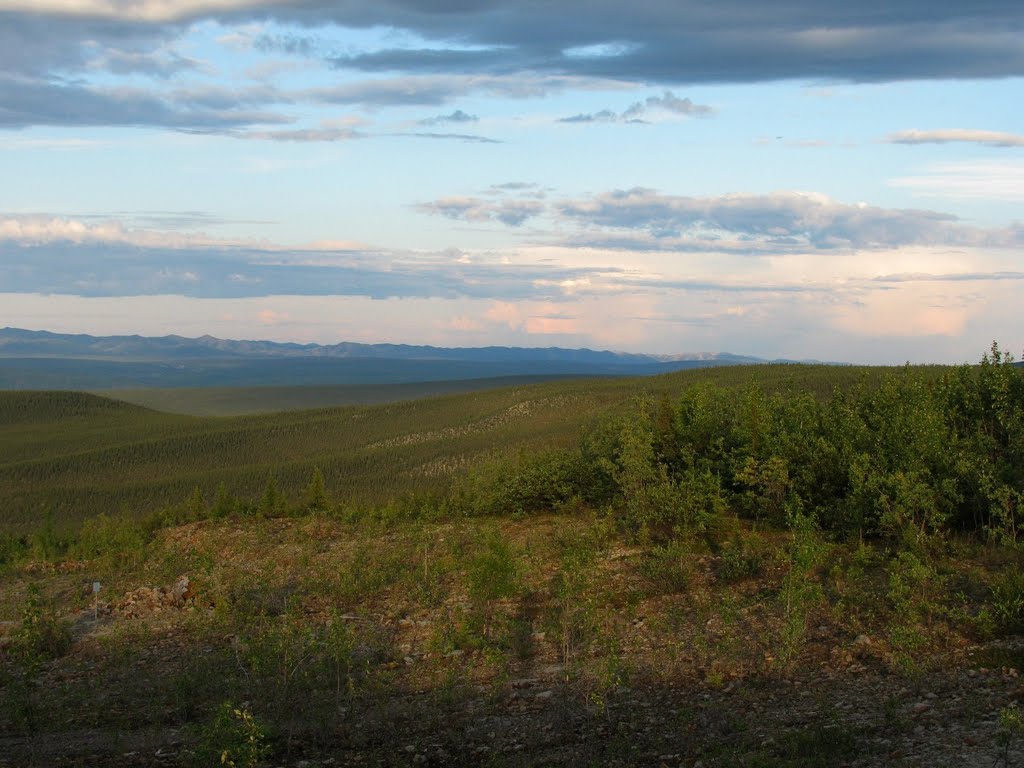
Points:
point(700, 689)
point(860, 714)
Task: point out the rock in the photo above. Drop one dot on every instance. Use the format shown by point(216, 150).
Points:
point(921, 707)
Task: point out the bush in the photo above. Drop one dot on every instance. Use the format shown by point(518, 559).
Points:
point(742, 557)
point(118, 542)
point(234, 738)
point(1007, 602)
point(544, 481)
point(43, 635)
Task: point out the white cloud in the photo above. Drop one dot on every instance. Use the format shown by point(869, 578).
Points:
point(958, 135)
point(984, 180)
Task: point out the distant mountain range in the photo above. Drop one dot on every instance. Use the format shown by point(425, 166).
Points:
point(40, 359)
point(17, 342)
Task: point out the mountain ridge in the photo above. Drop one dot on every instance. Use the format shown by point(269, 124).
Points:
point(24, 343)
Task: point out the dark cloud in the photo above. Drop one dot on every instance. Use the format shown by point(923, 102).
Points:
point(506, 48)
point(160, 64)
point(688, 42)
point(436, 90)
point(458, 116)
point(40, 45)
point(25, 102)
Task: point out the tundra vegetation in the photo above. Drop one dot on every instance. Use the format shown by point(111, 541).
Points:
point(765, 566)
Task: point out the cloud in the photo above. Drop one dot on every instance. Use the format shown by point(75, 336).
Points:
point(955, 277)
point(458, 116)
point(162, 64)
point(978, 180)
point(438, 89)
point(40, 254)
point(784, 221)
point(304, 134)
point(957, 135)
point(466, 137)
point(604, 116)
point(514, 213)
point(667, 102)
point(679, 43)
point(48, 48)
point(291, 44)
point(517, 186)
point(26, 102)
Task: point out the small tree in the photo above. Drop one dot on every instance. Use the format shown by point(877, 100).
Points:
point(195, 508)
point(271, 501)
point(223, 503)
point(316, 495)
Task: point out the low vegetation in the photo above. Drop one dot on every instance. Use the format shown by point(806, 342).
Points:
point(764, 567)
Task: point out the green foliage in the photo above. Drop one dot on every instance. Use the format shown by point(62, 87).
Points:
point(1007, 602)
point(541, 481)
point(224, 504)
point(234, 738)
point(271, 503)
point(43, 635)
point(47, 544)
point(119, 542)
point(914, 590)
point(315, 496)
point(493, 572)
point(741, 557)
point(195, 507)
point(767, 486)
point(12, 548)
point(670, 567)
point(800, 590)
point(1011, 728)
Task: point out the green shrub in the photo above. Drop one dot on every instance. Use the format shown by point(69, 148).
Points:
point(493, 572)
point(541, 481)
point(669, 567)
point(1006, 604)
point(117, 541)
point(234, 738)
point(741, 557)
point(43, 635)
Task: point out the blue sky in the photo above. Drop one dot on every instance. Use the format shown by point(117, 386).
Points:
point(800, 179)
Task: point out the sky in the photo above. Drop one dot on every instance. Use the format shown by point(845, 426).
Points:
point(807, 179)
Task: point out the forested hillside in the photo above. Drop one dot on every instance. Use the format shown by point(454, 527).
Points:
point(116, 458)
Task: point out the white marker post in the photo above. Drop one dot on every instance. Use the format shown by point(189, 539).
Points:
point(95, 600)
